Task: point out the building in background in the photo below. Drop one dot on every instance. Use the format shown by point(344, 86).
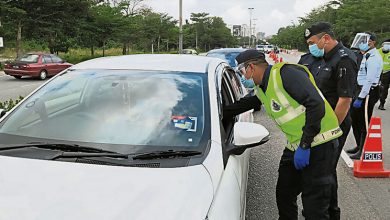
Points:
point(237, 31)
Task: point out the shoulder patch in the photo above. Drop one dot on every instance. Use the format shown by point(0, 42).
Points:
point(275, 106)
point(343, 53)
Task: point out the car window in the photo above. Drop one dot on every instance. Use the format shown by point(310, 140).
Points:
point(56, 59)
point(235, 83)
point(29, 58)
point(228, 98)
point(47, 59)
point(134, 108)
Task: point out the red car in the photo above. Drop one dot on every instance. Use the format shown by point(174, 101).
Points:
point(38, 65)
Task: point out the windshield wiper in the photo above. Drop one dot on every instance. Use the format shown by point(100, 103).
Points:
point(58, 146)
point(82, 154)
point(165, 154)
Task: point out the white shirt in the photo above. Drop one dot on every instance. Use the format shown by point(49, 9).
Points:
point(370, 71)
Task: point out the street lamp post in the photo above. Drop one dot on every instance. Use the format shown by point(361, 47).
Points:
point(250, 26)
point(180, 27)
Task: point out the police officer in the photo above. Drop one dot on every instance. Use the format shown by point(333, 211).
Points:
point(368, 80)
point(385, 77)
point(291, 98)
point(334, 69)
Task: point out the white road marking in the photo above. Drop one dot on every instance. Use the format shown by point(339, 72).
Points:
point(347, 159)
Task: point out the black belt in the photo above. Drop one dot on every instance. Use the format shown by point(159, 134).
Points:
point(372, 87)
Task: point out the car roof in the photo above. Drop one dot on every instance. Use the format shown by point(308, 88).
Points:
point(226, 50)
point(164, 62)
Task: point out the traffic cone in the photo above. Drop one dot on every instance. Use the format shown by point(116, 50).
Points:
point(371, 161)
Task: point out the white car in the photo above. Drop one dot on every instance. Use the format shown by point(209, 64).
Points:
point(138, 137)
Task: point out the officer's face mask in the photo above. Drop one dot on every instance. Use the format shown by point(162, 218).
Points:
point(361, 42)
point(386, 47)
point(247, 82)
point(315, 50)
point(364, 47)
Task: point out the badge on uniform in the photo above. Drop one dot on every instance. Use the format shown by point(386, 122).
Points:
point(275, 106)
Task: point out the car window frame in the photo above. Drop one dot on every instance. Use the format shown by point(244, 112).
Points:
point(56, 57)
point(44, 60)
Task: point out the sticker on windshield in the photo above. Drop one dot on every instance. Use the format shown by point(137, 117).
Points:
point(187, 123)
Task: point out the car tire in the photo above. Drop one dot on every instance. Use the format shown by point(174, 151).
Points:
point(43, 74)
point(18, 77)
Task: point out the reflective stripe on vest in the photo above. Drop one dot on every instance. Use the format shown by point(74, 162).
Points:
point(292, 118)
point(318, 139)
point(291, 112)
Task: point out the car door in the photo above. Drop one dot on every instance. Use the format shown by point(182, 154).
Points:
point(58, 64)
point(48, 64)
point(231, 90)
point(239, 91)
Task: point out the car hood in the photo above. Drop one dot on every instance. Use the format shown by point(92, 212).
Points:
point(39, 189)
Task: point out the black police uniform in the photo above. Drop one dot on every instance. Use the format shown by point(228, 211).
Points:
point(336, 76)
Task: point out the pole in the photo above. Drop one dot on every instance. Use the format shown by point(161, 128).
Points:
point(366, 111)
point(180, 27)
point(250, 26)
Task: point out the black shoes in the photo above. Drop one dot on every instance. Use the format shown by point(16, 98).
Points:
point(381, 106)
point(356, 156)
point(356, 153)
point(353, 150)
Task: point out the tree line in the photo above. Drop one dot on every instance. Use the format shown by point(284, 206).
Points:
point(62, 24)
point(347, 17)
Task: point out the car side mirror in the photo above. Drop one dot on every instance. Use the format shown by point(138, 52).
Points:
point(2, 112)
point(247, 135)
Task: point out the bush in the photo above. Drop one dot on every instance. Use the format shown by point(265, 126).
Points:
point(8, 105)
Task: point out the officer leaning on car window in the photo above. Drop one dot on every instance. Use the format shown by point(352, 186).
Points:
point(291, 98)
point(334, 68)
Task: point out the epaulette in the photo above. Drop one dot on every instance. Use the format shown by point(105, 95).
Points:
point(342, 52)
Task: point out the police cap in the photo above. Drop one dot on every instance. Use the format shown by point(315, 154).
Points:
point(250, 54)
point(317, 28)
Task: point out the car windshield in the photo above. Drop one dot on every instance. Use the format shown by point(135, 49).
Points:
point(29, 58)
point(230, 57)
point(126, 107)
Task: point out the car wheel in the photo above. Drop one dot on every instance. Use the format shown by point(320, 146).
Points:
point(42, 74)
point(18, 77)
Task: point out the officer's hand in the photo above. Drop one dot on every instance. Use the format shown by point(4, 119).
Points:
point(301, 158)
point(358, 103)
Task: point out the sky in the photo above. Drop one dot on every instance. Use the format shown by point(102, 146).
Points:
point(270, 14)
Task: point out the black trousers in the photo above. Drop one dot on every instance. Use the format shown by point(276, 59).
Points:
point(384, 86)
point(334, 209)
point(314, 182)
point(358, 118)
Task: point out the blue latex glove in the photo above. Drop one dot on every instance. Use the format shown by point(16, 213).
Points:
point(301, 158)
point(358, 103)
